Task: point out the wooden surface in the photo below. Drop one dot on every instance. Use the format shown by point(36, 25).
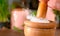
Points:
point(10, 33)
point(58, 32)
point(14, 33)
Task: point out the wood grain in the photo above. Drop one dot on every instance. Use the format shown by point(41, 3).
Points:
point(9, 32)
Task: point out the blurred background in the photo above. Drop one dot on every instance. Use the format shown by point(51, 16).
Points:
point(6, 6)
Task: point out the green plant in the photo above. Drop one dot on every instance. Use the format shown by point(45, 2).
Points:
point(56, 12)
point(4, 12)
point(34, 13)
point(15, 28)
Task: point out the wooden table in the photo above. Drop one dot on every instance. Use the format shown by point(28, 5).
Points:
point(8, 32)
point(58, 32)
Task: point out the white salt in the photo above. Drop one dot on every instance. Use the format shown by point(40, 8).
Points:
point(39, 20)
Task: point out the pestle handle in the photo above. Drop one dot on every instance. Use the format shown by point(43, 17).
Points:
point(42, 9)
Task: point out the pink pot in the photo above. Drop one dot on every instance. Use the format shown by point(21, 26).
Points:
point(18, 16)
point(52, 4)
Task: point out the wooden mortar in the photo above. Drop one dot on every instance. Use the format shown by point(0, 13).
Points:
point(40, 29)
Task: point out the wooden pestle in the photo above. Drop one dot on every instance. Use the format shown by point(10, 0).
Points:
point(42, 9)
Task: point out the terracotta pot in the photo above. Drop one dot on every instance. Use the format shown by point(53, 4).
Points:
point(39, 29)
